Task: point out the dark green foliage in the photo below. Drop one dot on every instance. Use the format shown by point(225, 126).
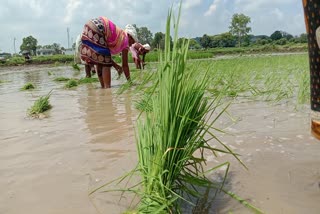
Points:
point(27, 86)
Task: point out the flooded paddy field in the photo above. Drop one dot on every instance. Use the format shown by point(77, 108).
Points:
point(49, 165)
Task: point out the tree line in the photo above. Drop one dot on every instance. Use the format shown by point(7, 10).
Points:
point(237, 36)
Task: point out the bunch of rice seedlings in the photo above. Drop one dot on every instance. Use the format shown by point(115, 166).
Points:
point(88, 80)
point(27, 86)
point(40, 105)
point(75, 66)
point(71, 83)
point(61, 79)
point(169, 136)
point(49, 73)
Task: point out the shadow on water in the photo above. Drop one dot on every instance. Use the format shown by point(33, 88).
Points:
point(213, 201)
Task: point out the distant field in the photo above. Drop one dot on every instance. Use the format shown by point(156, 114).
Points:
point(154, 55)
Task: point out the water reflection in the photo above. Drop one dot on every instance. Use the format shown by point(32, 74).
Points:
point(109, 119)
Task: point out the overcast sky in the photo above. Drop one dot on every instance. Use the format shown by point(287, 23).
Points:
point(48, 20)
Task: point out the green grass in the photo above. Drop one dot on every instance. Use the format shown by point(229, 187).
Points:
point(27, 86)
point(40, 105)
point(49, 73)
point(71, 83)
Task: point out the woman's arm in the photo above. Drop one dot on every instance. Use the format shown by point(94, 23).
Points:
point(125, 65)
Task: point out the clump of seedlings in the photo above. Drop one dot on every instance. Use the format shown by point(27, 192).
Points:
point(71, 83)
point(49, 73)
point(88, 80)
point(61, 79)
point(27, 86)
point(75, 66)
point(41, 105)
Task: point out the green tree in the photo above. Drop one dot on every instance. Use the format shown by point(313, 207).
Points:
point(158, 40)
point(145, 35)
point(205, 41)
point(57, 48)
point(223, 40)
point(239, 26)
point(276, 35)
point(193, 44)
point(303, 38)
point(29, 44)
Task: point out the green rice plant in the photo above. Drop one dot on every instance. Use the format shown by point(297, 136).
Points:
point(173, 136)
point(303, 87)
point(75, 66)
point(49, 73)
point(40, 105)
point(27, 86)
point(61, 79)
point(88, 80)
point(71, 83)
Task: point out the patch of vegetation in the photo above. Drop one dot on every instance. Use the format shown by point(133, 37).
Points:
point(61, 79)
point(40, 105)
point(71, 83)
point(27, 86)
point(76, 67)
point(49, 73)
point(88, 80)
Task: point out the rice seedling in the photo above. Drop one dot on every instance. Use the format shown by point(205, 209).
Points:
point(75, 66)
point(27, 86)
point(174, 134)
point(71, 83)
point(40, 105)
point(61, 79)
point(49, 73)
point(88, 80)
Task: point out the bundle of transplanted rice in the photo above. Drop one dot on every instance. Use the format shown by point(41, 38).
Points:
point(71, 83)
point(27, 86)
point(171, 135)
point(40, 105)
point(76, 67)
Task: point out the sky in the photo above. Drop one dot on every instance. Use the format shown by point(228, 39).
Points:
point(48, 20)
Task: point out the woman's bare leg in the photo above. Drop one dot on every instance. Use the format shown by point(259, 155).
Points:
point(87, 68)
point(106, 75)
point(99, 72)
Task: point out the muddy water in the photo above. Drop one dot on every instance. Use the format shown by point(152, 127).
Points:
point(49, 165)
